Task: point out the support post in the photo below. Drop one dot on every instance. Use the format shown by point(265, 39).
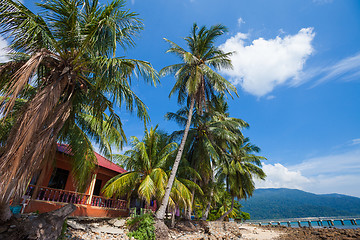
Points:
point(91, 189)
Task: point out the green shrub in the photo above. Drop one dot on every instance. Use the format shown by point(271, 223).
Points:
point(142, 227)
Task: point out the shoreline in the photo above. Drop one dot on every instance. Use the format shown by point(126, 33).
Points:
point(105, 229)
point(311, 233)
point(197, 230)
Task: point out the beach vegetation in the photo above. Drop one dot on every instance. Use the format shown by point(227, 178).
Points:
point(67, 52)
point(196, 82)
point(142, 227)
point(148, 164)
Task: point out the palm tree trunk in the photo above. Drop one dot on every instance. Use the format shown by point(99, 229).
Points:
point(173, 216)
point(207, 210)
point(160, 214)
point(229, 211)
point(190, 208)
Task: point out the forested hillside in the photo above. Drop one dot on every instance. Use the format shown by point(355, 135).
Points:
point(278, 203)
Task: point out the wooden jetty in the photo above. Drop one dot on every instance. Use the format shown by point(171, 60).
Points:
point(321, 222)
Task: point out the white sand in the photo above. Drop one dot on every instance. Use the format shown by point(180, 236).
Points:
point(251, 232)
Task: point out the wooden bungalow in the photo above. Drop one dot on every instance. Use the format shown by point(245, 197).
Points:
point(57, 188)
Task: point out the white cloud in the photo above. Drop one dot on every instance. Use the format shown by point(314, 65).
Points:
point(264, 64)
point(336, 173)
point(240, 21)
point(345, 69)
point(336, 164)
point(355, 141)
point(347, 184)
point(3, 50)
point(279, 176)
point(322, 1)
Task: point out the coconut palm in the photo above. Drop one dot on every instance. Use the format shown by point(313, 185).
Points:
point(211, 136)
point(67, 52)
point(208, 133)
point(239, 170)
point(196, 81)
point(146, 163)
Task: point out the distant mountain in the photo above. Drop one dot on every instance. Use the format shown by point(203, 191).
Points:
point(276, 203)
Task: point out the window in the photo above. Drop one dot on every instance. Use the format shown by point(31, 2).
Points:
point(58, 178)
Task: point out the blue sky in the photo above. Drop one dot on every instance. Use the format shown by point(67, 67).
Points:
point(297, 71)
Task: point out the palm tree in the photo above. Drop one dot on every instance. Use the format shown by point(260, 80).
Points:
point(196, 82)
point(208, 134)
point(68, 54)
point(241, 167)
point(146, 163)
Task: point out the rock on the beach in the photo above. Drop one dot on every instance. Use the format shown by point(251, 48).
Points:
point(75, 225)
point(107, 229)
point(117, 222)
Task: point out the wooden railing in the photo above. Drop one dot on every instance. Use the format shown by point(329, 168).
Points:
point(108, 202)
point(59, 195)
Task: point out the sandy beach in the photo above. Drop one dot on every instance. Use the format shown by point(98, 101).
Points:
point(251, 232)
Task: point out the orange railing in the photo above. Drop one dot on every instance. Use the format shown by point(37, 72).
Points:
point(108, 202)
point(59, 195)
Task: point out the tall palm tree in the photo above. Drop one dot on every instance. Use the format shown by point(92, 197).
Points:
point(68, 53)
point(147, 163)
point(196, 81)
point(208, 133)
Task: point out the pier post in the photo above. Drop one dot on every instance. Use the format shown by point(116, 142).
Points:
point(318, 223)
point(299, 223)
point(260, 224)
point(342, 222)
point(278, 223)
point(355, 222)
point(321, 223)
point(289, 224)
point(332, 222)
point(309, 222)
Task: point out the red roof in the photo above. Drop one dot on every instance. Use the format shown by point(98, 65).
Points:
point(102, 161)
point(105, 163)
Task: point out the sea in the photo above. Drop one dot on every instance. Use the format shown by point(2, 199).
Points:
point(314, 221)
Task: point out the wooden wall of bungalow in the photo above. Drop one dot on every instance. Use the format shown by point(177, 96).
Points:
point(55, 187)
